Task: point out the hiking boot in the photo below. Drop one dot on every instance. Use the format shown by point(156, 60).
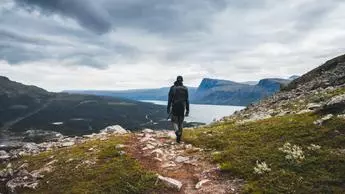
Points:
point(178, 138)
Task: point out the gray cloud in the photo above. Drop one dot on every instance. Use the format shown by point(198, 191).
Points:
point(152, 15)
point(230, 39)
point(84, 11)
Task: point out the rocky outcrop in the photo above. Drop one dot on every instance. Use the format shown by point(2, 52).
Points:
point(321, 90)
point(22, 178)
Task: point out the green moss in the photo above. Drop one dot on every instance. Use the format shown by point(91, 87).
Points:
point(111, 173)
point(240, 146)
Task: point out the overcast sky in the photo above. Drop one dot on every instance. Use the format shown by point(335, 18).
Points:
point(123, 44)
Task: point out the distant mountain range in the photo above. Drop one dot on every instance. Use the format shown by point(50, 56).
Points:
point(139, 94)
point(210, 91)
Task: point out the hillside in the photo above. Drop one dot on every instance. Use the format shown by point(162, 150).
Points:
point(213, 91)
point(292, 142)
point(32, 113)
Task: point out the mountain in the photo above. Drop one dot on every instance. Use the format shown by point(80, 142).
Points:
point(214, 91)
point(292, 141)
point(249, 82)
point(17, 99)
point(293, 77)
point(26, 108)
point(136, 94)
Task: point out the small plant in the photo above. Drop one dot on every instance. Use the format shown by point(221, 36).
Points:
point(294, 152)
point(313, 147)
point(261, 168)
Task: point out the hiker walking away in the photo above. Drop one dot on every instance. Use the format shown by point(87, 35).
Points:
point(178, 106)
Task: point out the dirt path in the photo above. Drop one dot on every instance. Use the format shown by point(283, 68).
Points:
point(157, 151)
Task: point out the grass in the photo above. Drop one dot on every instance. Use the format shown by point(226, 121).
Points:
point(240, 146)
point(112, 172)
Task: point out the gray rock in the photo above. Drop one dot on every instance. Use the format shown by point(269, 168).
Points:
point(116, 129)
point(68, 144)
point(21, 182)
point(313, 106)
point(24, 166)
point(148, 131)
point(168, 164)
point(120, 146)
point(337, 100)
point(4, 155)
point(31, 148)
point(180, 159)
point(148, 147)
point(158, 152)
point(323, 119)
point(172, 183)
point(201, 183)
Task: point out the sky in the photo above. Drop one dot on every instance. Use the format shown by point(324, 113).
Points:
point(127, 44)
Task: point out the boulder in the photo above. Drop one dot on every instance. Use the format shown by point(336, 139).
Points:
point(180, 159)
point(115, 129)
point(68, 144)
point(323, 119)
point(172, 183)
point(313, 106)
point(148, 131)
point(337, 100)
point(4, 155)
point(335, 105)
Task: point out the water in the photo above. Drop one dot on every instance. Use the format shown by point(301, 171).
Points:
point(203, 112)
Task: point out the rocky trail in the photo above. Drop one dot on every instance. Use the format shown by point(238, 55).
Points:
point(182, 167)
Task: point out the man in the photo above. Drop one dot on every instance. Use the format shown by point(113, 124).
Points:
point(178, 106)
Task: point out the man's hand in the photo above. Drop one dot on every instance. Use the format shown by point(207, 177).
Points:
point(187, 114)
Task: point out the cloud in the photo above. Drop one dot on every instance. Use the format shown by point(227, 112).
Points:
point(154, 40)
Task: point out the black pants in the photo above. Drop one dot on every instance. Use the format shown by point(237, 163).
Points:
point(177, 122)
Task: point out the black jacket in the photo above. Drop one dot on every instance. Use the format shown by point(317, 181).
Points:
point(178, 99)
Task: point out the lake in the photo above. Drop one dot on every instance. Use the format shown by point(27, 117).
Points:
point(203, 112)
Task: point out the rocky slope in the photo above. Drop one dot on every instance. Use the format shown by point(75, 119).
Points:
point(320, 90)
point(292, 142)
